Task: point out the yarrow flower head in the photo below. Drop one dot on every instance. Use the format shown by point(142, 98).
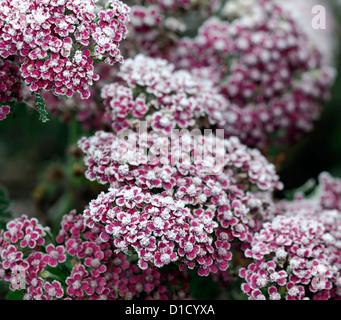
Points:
point(111, 160)
point(297, 255)
point(91, 269)
point(291, 260)
point(58, 42)
point(100, 272)
point(194, 215)
point(19, 244)
point(322, 207)
point(150, 89)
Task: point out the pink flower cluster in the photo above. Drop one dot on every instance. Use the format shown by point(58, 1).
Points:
point(152, 91)
point(159, 229)
point(273, 79)
point(20, 259)
point(99, 272)
point(25, 258)
point(10, 85)
point(297, 255)
point(4, 110)
point(145, 22)
point(81, 266)
point(58, 42)
point(324, 208)
point(291, 260)
point(194, 215)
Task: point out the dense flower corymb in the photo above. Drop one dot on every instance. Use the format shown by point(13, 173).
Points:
point(18, 245)
point(110, 160)
point(90, 269)
point(103, 273)
point(153, 91)
point(291, 260)
point(194, 215)
point(59, 41)
point(324, 208)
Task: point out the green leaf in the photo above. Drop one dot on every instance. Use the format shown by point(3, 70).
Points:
point(15, 295)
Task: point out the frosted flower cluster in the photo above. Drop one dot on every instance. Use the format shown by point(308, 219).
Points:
point(291, 261)
point(103, 273)
point(175, 197)
point(150, 90)
point(155, 209)
point(58, 41)
point(19, 259)
point(163, 230)
point(91, 269)
point(110, 160)
point(297, 255)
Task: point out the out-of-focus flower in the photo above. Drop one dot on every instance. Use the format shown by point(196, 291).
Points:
point(156, 25)
point(4, 110)
point(323, 39)
point(10, 85)
point(273, 77)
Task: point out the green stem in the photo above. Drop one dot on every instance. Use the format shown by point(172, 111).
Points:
point(47, 274)
point(49, 234)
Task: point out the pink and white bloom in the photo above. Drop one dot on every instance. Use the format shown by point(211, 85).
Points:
point(54, 255)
